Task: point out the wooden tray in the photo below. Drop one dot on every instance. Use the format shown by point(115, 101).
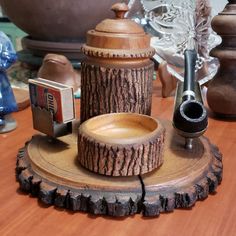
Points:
point(50, 170)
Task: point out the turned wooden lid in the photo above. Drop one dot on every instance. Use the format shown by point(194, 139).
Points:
point(118, 38)
point(224, 23)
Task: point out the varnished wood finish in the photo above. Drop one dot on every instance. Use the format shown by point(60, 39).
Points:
point(185, 177)
point(23, 215)
point(59, 69)
point(221, 95)
point(49, 170)
point(117, 73)
point(121, 144)
point(119, 33)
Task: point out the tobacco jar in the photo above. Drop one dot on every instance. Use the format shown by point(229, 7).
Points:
point(117, 72)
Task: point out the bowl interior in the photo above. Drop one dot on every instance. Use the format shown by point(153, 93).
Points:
point(121, 127)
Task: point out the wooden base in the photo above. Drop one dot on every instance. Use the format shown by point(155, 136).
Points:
point(50, 170)
point(221, 94)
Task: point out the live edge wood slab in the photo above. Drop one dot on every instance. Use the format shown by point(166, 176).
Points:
point(49, 170)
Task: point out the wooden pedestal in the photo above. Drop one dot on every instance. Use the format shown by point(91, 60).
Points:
point(221, 95)
point(50, 170)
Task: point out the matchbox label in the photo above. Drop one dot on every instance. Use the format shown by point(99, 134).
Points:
point(51, 103)
point(48, 99)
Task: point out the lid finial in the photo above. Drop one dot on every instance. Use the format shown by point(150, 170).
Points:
point(120, 9)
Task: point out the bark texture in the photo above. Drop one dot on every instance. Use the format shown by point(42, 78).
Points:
point(95, 201)
point(156, 202)
point(113, 201)
point(121, 160)
point(111, 90)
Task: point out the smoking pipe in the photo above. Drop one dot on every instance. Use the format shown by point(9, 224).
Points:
point(190, 116)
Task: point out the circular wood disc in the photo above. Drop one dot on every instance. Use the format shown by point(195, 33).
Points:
point(49, 169)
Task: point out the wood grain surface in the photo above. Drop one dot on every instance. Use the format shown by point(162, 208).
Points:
point(21, 214)
point(110, 89)
point(117, 74)
point(221, 95)
point(132, 145)
point(48, 169)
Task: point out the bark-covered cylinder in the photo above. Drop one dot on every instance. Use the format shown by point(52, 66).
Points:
point(117, 72)
point(121, 144)
point(110, 90)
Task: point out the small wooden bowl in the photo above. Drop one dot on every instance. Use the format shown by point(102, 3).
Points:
point(121, 144)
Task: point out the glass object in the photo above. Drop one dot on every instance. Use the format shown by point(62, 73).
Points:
point(172, 23)
point(7, 99)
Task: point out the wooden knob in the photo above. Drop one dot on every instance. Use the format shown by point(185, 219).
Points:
point(120, 9)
